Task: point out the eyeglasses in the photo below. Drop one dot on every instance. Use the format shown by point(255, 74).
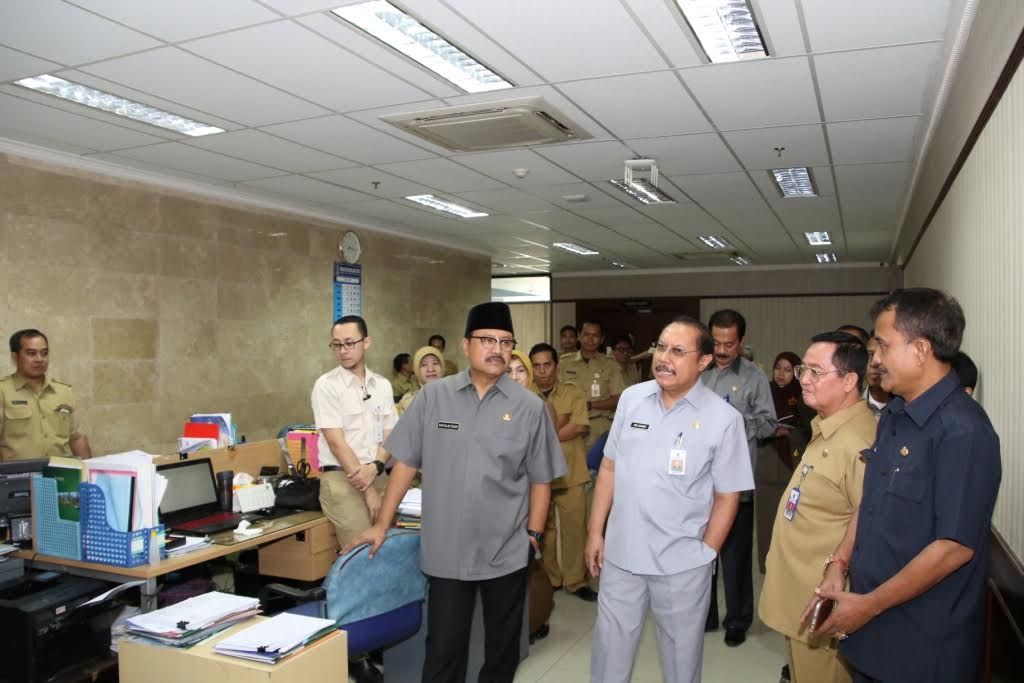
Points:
point(674, 350)
point(347, 345)
point(491, 342)
point(623, 349)
point(813, 373)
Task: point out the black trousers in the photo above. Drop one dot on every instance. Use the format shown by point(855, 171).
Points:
point(735, 558)
point(450, 618)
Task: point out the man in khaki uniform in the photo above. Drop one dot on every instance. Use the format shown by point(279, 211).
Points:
point(37, 414)
point(438, 342)
point(597, 376)
point(568, 493)
point(823, 495)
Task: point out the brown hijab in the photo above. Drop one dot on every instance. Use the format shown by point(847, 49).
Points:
point(789, 403)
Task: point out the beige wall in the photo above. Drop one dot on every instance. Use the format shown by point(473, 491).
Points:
point(776, 324)
point(158, 305)
point(532, 323)
point(974, 250)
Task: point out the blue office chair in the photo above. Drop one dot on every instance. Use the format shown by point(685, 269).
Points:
point(596, 453)
point(379, 602)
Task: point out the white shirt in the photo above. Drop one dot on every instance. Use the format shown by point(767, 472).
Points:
point(339, 401)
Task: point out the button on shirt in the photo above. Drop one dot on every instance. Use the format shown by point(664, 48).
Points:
point(933, 473)
point(658, 519)
point(745, 387)
point(479, 458)
point(600, 371)
point(36, 425)
point(339, 402)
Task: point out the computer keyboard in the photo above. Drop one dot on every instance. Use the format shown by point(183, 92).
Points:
point(210, 523)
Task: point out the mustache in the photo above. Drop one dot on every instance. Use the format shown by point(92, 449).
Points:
point(496, 357)
point(662, 367)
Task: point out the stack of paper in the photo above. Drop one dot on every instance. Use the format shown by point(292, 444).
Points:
point(131, 487)
point(195, 619)
point(275, 638)
point(412, 503)
point(225, 433)
point(191, 543)
point(6, 548)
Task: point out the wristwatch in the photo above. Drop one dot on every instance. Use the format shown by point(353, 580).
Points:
point(379, 465)
point(538, 535)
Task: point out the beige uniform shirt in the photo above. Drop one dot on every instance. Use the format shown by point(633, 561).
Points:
point(402, 385)
point(450, 368)
point(598, 379)
point(566, 399)
point(36, 425)
point(630, 374)
point(829, 495)
point(339, 402)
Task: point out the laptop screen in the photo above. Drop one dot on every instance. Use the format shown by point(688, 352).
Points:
point(189, 484)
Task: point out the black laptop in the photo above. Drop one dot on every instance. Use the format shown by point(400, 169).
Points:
point(190, 503)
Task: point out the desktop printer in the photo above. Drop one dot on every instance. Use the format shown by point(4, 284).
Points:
point(45, 629)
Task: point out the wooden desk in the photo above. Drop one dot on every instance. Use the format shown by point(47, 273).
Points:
point(224, 544)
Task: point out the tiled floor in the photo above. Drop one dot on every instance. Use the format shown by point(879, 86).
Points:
point(564, 656)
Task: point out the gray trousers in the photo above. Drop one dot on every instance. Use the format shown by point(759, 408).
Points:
point(680, 605)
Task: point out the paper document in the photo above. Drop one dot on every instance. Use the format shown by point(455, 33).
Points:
point(193, 614)
point(412, 503)
point(113, 591)
point(276, 637)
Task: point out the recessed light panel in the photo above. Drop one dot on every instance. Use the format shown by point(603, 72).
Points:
point(794, 182)
point(644, 191)
point(715, 242)
point(740, 261)
point(446, 206)
point(576, 249)
point(726, 29)
point(818, 239)
point(826, 257)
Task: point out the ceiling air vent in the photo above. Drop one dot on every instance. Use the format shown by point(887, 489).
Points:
point(521, 122)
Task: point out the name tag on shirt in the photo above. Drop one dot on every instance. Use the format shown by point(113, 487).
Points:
point(595, 390)
point(639, 425)
point(677, 462)
point(19, 403)
point(448, 425)
point(378, 424)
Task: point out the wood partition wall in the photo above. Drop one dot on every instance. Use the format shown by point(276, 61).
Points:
point(643, 317)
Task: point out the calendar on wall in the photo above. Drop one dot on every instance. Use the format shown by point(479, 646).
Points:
point(348, 289)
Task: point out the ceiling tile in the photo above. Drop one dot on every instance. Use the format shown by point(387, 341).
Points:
point(443, 174)
point(20, 117)
point(803, 146)
point(182, 19)
point(862, 218)
point(186, 158)
point(500, 164)
point(756, 93)
point(65, 33)
point(15, 65)
point(603, 39)
point(866, 181)
point(507, 200)
point(686, 154)
point(405, 214)
point(595, 198)
point(614, 216)
point(320, 72)
point(589, 160)
point(810, 214)
point(685, 219)
point(298, 187)
point(715, 188)
point(874, 140)
point(175, 75)
point(261, 148)
point(658, 105)
point(874, 23)
point(664, 22)
point(156, 169)
point(363, 177)
point(347, 138)
point(876, 83)
point(780, 24)
point(296, 7)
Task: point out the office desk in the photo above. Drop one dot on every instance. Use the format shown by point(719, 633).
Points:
point(224, 544)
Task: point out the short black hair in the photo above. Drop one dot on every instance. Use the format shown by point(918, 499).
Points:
point(25, 334)
point(850, 354)
point(929, 313)
point(726, 318)
point(704, 341)
point(855, 330)
point(568, 327)
point(360, 323)
point(400, 360)
point(430, 342)
point(541, 348)
point(623, 338)
point(592, 321)
point(966, 370)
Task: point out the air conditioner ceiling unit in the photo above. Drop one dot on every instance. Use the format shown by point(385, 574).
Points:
point(520, 122)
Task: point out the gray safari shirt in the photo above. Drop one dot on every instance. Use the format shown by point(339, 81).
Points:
point(745, 388)
point(479, 458)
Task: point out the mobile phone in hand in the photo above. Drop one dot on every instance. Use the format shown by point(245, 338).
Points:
point(822, 609)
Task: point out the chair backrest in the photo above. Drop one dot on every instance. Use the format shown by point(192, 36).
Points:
point(359, 588)
point(596, 452)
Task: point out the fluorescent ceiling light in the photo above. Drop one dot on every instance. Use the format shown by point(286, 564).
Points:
point(643, 190)
point(620, 264)
point(715, 242)
point(794, 182)
point(726, 29)
point(740, 261)
point(75, 92)
point(826, 257)
point(818, 239)
point(446, 206)
point(392, 26)
point(576, 249)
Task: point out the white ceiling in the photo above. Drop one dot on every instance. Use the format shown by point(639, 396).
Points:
point(847, 91)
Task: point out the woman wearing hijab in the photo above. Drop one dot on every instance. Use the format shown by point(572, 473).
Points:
point(428, 364)
point(777, 455)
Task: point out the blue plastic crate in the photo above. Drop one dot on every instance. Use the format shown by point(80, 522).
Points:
point(102, 544)
point(51, 534)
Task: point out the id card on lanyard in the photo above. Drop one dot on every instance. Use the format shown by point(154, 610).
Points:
point(794, 495)
point(378, 424)
point(677, 457)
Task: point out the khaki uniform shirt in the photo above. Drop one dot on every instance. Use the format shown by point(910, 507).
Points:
point(339, 402)
point(631, 374)
point(450, 368)
point(36, 425)
point(567, 399)
point(829, 495)
point(402, 385)
point(406, 401)
point(598, 379)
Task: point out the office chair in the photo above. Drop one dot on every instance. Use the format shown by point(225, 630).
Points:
point(379, 602)
point(596, 453)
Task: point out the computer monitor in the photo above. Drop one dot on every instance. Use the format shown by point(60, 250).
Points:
point(190, 484)
point(16, 485)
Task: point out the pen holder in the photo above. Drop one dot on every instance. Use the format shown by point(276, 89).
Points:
point(224, 488)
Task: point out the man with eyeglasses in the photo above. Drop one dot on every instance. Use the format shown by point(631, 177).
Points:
point(597, 376)
point(823, 494)
point(622, 352)
point(669, 486)
point(488, 452)
point(745, 387)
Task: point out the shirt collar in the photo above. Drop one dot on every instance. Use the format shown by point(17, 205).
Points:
point(827, 426)
point(504, 383)
point(695, 396)
point(733, 367)
point(20, 382)
point(349, 377)
point(922, 407)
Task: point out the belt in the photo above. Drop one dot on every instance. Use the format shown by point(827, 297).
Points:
point(330, 468)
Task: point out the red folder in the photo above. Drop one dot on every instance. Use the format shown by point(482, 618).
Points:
point(202, 430)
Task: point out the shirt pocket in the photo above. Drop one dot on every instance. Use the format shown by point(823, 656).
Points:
point(17, 420)
point(509, 452)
